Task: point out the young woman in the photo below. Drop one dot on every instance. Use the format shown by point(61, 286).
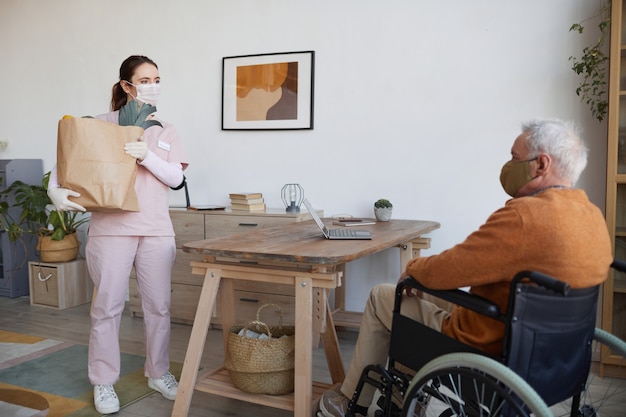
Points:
point(143, 240)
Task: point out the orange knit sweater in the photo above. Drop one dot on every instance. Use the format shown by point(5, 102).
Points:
point(558, 232)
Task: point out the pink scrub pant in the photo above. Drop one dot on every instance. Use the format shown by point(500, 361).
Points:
point(109, 260)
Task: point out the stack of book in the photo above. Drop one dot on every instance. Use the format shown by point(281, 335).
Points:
point(251, 202)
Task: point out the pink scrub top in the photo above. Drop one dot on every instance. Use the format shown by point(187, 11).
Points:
point(153, 219)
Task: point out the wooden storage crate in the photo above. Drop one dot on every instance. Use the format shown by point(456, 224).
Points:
point(59, 285)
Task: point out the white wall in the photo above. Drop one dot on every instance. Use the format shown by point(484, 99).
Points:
point(422, 98)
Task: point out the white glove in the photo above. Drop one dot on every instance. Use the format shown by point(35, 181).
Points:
point(138, 150)
point(59, 197)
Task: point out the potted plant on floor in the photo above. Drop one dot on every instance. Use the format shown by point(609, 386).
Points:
point(56, 230)
point(382, 210)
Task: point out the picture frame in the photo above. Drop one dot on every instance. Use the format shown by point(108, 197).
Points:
point(268, 91)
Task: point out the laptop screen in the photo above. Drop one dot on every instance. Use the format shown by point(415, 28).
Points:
point(317, 219)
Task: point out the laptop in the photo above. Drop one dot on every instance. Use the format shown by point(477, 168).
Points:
point(344, 233)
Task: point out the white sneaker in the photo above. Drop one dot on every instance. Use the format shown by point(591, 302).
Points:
point(105, 399)
point(166, 385)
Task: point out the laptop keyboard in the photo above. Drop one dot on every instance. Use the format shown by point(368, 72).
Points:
point(342, 232)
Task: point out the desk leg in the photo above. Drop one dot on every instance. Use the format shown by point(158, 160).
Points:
point(331, 349)
point(340, 291)
point(303, 385)
point(406, 254)
point(196, 342)
point(227, 297)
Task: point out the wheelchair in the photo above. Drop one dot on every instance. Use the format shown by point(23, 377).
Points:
point(549, 337)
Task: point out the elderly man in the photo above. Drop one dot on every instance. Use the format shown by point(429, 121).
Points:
point(548, 226)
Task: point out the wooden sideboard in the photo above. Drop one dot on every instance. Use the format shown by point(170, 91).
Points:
point(194, 225)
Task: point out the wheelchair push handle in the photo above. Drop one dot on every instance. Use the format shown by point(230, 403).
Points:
point(554, 284)
point(543, 280)
point(619, 265)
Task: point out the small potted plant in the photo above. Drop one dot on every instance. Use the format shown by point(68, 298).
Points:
point(56, 230)
point(382, 210)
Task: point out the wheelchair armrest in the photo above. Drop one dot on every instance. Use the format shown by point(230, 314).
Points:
point(544, 280)
point(473, 302)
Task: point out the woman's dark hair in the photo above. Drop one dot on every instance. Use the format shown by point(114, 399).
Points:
point(127, 70)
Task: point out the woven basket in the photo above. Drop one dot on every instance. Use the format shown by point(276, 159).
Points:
point(58, 250)
point(262, 366)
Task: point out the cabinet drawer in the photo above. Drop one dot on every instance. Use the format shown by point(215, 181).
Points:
point(262, 287)
point(247, 303)
point(184, 302)
point(189, 227)
point(183, 306)
point(216, 226)
point(181, 270)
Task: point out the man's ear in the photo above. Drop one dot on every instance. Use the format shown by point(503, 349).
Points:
point(544, 162)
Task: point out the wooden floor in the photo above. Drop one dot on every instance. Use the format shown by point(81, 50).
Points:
point(72, 325)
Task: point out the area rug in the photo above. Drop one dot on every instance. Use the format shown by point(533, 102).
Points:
point(57, 371)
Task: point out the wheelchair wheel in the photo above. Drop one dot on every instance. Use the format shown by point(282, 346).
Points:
point(468, 385)
point(603, 397)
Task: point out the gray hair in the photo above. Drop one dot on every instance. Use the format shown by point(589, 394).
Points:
point(562, 142)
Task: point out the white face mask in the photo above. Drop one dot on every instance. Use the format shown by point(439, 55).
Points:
point(148, 93)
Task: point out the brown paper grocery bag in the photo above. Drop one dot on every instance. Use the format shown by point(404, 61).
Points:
point(91, 161)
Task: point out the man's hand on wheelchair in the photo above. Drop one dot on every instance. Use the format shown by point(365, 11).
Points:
point(410, 292)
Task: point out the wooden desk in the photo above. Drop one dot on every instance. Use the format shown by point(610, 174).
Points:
point(294, 254)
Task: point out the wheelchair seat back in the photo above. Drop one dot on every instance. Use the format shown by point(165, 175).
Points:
point(549, 339)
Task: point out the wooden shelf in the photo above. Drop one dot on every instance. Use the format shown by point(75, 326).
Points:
point(218, 382)
point(614, 289)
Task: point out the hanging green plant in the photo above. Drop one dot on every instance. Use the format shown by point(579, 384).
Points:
point(592, 66)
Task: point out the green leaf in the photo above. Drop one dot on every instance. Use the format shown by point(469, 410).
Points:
point(577, 27)
point(58, 234)
point(135, 114)
point(591, 66)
